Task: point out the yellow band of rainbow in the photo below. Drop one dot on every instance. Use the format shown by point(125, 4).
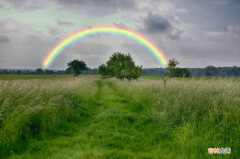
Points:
point(55, 51)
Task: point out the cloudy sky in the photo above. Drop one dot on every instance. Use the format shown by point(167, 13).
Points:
point(196, 33)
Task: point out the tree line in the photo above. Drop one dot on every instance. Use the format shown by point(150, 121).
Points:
point(122, 67)
point(208, 71)
point(40, 71)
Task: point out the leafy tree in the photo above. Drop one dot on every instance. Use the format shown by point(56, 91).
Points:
point(128, 69)
point(39, 71)
point(116, 64)
point(181, 72)
point(18, 72)
point(121, 66)
point(171, 66)
point(77, 66)
point(102, 69)
point(136, 73)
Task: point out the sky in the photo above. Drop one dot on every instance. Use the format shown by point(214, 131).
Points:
point(195, 33)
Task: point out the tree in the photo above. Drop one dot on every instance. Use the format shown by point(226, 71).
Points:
point(60, 72)
point(171, 66)
point(77, 66)
point(121, 66)
point(69, 71)
point(211, 71)
point(39, 71)
point(102, 69)
point(181, 72)
point(136, 73)
point(116, 64)
point(49, 71)
point(18, 72)
point(127, 71)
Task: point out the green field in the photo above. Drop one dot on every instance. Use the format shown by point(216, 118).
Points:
point(90, 117)
point(235, 79)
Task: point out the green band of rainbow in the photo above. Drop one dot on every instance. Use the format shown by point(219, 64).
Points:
point(55, 51)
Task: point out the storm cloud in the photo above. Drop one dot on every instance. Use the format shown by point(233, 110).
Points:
point(157, 24)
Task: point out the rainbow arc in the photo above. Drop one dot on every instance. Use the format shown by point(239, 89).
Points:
point(57, 49)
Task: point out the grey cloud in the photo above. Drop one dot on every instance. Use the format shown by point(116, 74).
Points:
point(120, 25)
point(205, 54)
point(110, 3)
point(62, 23)
point(27, 48)
point(2, 23)
point(182, 10)
point(232, 29)
point(195, 49)
point(30, 46)
point(175, 33)
point(90, 8)
point(157, 24)
point(54, 30)
point(97, 8)
point(28, 5)
point(4, 37)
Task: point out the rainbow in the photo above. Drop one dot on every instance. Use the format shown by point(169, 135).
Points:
point(57, 49)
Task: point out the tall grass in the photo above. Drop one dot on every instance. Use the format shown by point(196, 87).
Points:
point(127, 120)
point(32, 107)
point(197, 114)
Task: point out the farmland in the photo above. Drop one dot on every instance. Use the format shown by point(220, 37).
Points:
point(89, 117)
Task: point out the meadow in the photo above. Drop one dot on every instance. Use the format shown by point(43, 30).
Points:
point(90, 117)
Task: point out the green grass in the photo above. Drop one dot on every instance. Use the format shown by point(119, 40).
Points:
point(89, 117)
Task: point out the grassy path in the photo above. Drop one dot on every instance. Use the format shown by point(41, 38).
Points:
point(110, 128)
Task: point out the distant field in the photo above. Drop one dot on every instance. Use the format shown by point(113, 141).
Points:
point(193, 78)
point(89, 117)
point(14, 77)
